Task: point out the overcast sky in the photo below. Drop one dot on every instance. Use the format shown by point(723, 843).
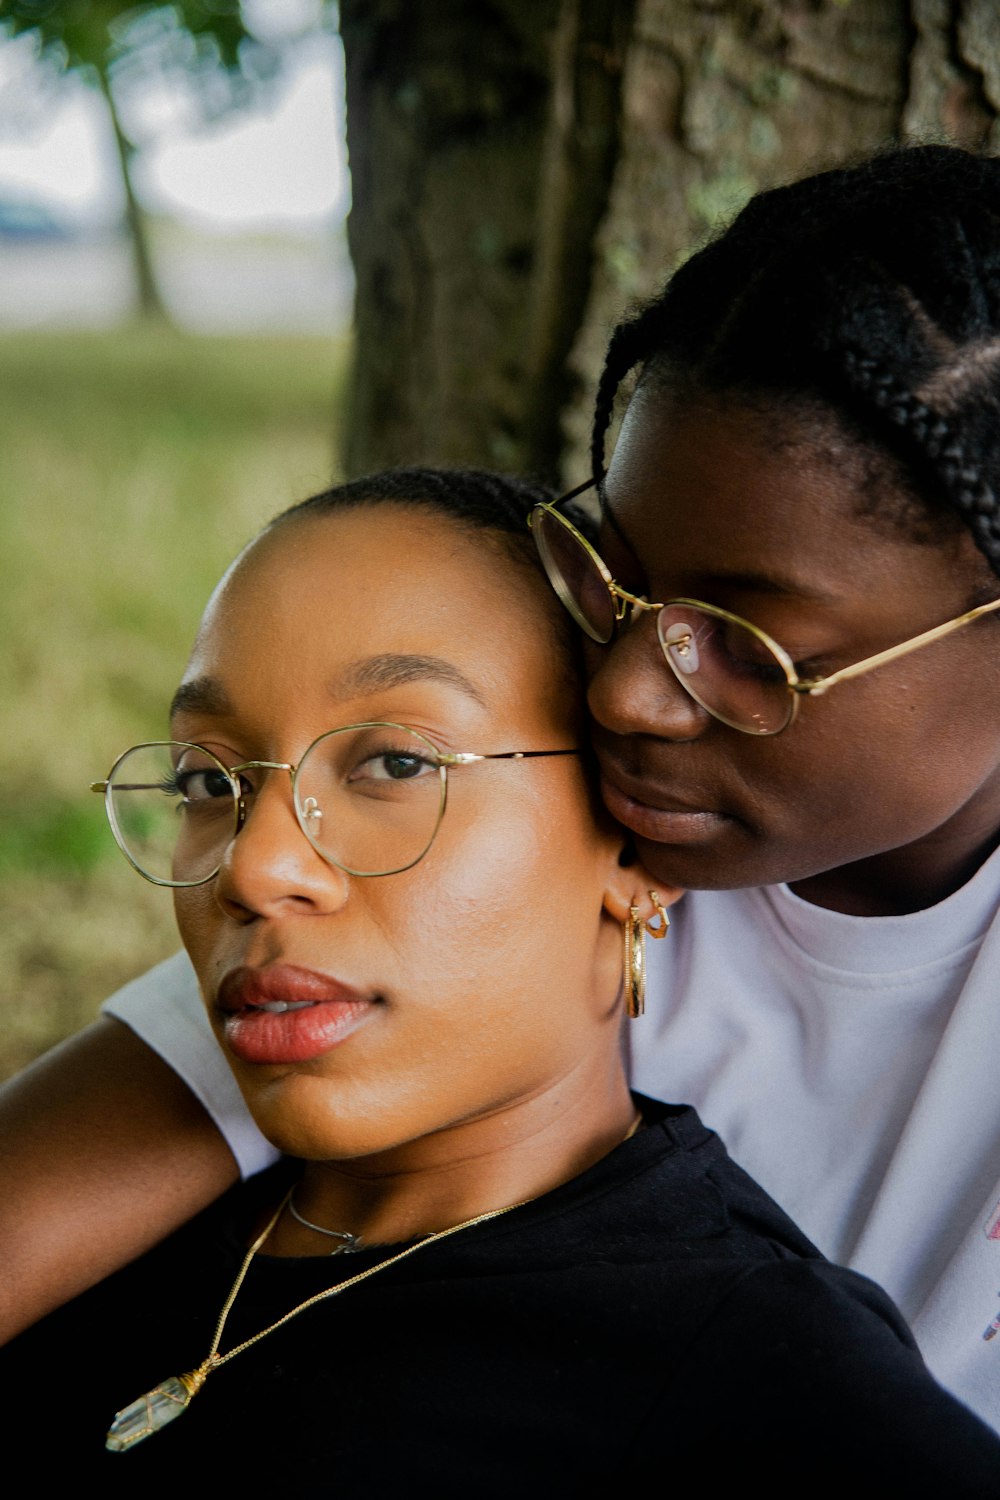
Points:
point(279, 166)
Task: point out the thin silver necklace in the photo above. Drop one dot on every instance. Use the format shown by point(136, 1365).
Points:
point(349, 1242)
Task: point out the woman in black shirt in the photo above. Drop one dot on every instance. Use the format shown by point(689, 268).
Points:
point(483, 1263)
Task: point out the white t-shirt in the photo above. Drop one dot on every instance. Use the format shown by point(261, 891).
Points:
point(850, 1064)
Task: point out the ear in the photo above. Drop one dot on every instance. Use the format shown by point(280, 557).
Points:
point(630, 884)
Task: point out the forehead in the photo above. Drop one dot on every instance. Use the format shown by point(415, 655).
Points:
point(316, 595)
point(718, 490)
point(740, 465)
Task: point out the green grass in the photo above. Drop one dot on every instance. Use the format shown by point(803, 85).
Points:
point(133, 466)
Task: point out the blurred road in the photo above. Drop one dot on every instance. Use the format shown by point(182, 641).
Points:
point(211, 285)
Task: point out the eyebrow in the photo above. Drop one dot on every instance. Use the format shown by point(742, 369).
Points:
point(391, 669)
point(777, 585)
point(204, 695)
point(370, 675)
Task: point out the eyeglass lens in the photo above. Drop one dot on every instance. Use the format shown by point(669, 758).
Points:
point(725, 667)
point(723, 664)
point(369, 799)
point(150, 792)
point(575, 576)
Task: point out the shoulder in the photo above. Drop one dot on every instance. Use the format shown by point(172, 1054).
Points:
point(172, 982)
point(811, 1364)
point(645, 1244)
point(684, 1179)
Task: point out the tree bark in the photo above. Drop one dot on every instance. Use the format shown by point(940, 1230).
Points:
point(525, 170)
point(482, 141)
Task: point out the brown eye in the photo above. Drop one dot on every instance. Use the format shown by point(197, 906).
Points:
point(392, 765)
point(201, 786)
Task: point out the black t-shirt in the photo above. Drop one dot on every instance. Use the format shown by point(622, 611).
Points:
point(656, 1320)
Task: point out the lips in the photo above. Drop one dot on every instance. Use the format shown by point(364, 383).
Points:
point(285, 1014)
point(661, 817)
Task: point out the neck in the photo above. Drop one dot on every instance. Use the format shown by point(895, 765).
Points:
point(510, 1155)
point(900, 880)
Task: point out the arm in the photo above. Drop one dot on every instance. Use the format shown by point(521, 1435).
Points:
point(103, 1151)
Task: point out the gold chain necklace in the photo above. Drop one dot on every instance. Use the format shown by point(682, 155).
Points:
point(168, 1400)
point(141, 1418)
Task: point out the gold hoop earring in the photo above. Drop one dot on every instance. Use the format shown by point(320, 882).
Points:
point(635, 964)
point(661, 912)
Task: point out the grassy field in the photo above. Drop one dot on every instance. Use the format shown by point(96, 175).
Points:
point(133, 465)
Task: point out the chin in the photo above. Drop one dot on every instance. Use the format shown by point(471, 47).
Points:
point(305, 1117)
point(703, 869)
point(340, 1140)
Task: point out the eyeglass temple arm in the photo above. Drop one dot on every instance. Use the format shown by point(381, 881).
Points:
point(462, 759)
point(581, 489)
point(815, 687)
point(465, 758)
point(126, 786)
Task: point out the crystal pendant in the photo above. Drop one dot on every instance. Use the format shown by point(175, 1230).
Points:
point(156, 1409)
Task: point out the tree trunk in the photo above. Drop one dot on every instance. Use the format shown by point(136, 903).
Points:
point(524, 170)
point(150, 302)
point(482, 142)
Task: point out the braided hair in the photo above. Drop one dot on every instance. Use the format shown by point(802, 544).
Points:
point(871, 293)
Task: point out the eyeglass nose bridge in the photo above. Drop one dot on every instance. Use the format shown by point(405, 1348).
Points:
point(638, 606)
point(633, 605)
point(627, 605)
point(260, 765)
point(311, 812)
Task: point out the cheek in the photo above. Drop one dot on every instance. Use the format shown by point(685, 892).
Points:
point(200, 924)
point(881, 766)
point(502, 882)
point(918, 731)
point(496, 950)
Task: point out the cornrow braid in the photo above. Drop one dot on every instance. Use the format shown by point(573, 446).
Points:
point(961, 478)
point(871, 292)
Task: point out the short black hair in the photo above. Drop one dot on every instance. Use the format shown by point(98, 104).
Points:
point(476, 497)
point(870, 293)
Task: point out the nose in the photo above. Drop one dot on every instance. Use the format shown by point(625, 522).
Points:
point(270, 869)
point(632, 690)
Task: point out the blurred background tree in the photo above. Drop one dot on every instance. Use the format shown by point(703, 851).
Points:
point(201, 48)
point(522, 171)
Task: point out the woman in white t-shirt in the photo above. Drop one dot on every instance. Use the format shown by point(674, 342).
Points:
point(805, 486)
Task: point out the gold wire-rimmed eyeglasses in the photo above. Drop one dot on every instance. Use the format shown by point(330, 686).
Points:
point(369, 797)
point(733, 669)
